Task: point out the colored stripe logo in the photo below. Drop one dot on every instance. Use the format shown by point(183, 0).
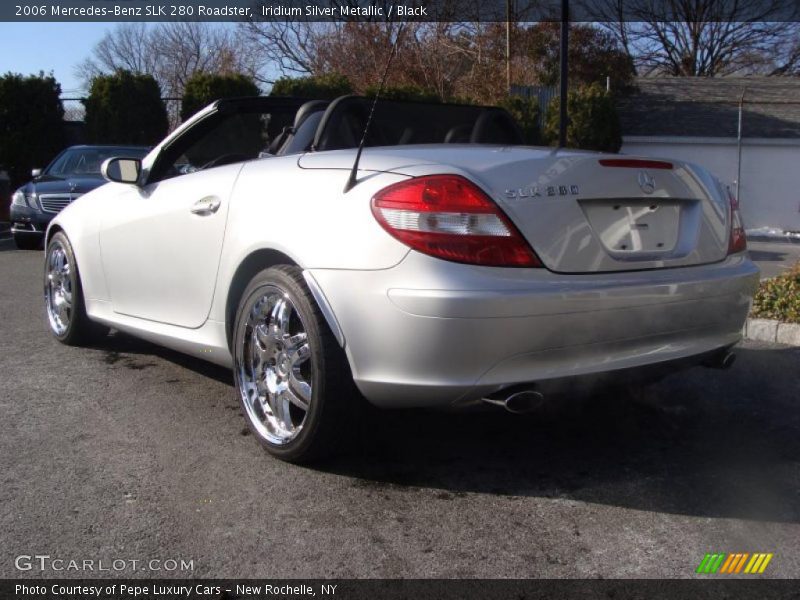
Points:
point(737, 562)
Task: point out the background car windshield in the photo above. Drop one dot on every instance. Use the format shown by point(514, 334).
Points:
point(87, 161)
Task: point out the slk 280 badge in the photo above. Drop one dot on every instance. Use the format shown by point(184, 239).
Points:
point(535, 191)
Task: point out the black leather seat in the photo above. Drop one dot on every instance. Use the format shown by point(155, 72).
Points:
point(496, 126)
point(459, 134)
point(303, 113)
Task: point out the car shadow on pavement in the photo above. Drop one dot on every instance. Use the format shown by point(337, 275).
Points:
point(7, 244)
point(703, 443)
point(134, 353)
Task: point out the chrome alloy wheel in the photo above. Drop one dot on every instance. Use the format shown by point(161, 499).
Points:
point(274, 367)
point(58, 289)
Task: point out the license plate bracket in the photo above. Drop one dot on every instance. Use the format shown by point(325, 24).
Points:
point(634, 228)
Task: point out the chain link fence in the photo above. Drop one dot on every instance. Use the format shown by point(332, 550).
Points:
point(73, 109)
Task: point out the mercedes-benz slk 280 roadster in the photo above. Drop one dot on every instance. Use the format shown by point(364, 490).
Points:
point(456, 265)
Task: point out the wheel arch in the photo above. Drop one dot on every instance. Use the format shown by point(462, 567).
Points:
point(51, 231)
point(256, 262)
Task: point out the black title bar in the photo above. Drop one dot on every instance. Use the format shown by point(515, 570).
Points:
point(383, 589)
point(397, 10)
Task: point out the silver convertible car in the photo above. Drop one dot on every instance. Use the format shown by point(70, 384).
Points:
point(452, 266)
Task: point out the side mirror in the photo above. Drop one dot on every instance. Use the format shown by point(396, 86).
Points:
point(36, 173)
point(122, 170)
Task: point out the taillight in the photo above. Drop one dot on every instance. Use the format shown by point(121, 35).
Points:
point(449, 217)
point(738, 240)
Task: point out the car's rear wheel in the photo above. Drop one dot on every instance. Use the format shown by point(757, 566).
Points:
point(27, 242)
point(63, 296)
point(293, 380)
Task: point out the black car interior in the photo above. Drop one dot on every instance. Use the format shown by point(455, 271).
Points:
point(243, 129)
point(303, 128)
point(399, 123)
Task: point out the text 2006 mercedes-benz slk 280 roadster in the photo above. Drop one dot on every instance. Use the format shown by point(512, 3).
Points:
point(452, 265)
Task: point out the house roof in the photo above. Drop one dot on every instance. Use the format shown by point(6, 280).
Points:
point(709, 107)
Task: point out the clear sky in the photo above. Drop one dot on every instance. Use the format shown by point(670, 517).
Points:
point(32, 47)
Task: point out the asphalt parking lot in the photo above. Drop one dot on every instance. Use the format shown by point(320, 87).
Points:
point(774, 258)
point(130, 451)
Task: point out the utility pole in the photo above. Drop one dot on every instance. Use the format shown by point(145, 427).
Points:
point(563, 79)
point(508, 46)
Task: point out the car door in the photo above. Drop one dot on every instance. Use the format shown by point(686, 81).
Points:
point(161, 240)
point(161, 244)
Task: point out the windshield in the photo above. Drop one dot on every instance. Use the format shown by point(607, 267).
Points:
point(85, 162)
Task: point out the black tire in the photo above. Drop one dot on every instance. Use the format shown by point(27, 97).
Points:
point(335, 404)
point(28, 242)
point(79, 330)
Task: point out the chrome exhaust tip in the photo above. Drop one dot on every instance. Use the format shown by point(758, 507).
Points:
point(723, 361)
point(524, 402)
point(518, 403)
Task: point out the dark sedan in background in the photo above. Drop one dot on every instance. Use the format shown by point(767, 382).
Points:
point(72, 173)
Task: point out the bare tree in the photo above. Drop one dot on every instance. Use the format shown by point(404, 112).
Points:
point(290, 47)
point(187, 48)
point(426, 55)
point(703, 37)
point(127, 47)
point(171, 52)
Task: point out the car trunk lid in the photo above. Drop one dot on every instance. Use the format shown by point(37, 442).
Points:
point(592, 213)
point(581, 212)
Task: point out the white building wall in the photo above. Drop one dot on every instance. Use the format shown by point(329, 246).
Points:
point(770, 175)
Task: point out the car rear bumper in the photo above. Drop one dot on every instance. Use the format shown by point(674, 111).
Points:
point(432, 333)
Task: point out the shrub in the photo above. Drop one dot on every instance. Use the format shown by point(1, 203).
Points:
point(404, 92)
point(526, 112)
point(31, 124)
point(125, 108)
point(593, 120)
point(322, 87)
point(779, 297)
point(204, 88)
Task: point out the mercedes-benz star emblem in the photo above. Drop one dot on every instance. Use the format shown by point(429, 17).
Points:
point(647, 182)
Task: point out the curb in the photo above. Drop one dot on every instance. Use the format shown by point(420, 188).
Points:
point(767, 330)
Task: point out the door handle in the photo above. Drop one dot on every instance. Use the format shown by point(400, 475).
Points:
point(206, 206)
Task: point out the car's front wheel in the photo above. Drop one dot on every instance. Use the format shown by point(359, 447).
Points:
point(292, 377)
point(63, 296)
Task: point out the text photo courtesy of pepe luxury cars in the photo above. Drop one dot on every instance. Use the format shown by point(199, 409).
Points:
point(488, 294)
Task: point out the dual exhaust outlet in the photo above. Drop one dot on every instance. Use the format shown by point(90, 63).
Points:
point(521, 401)
point(518, 402)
